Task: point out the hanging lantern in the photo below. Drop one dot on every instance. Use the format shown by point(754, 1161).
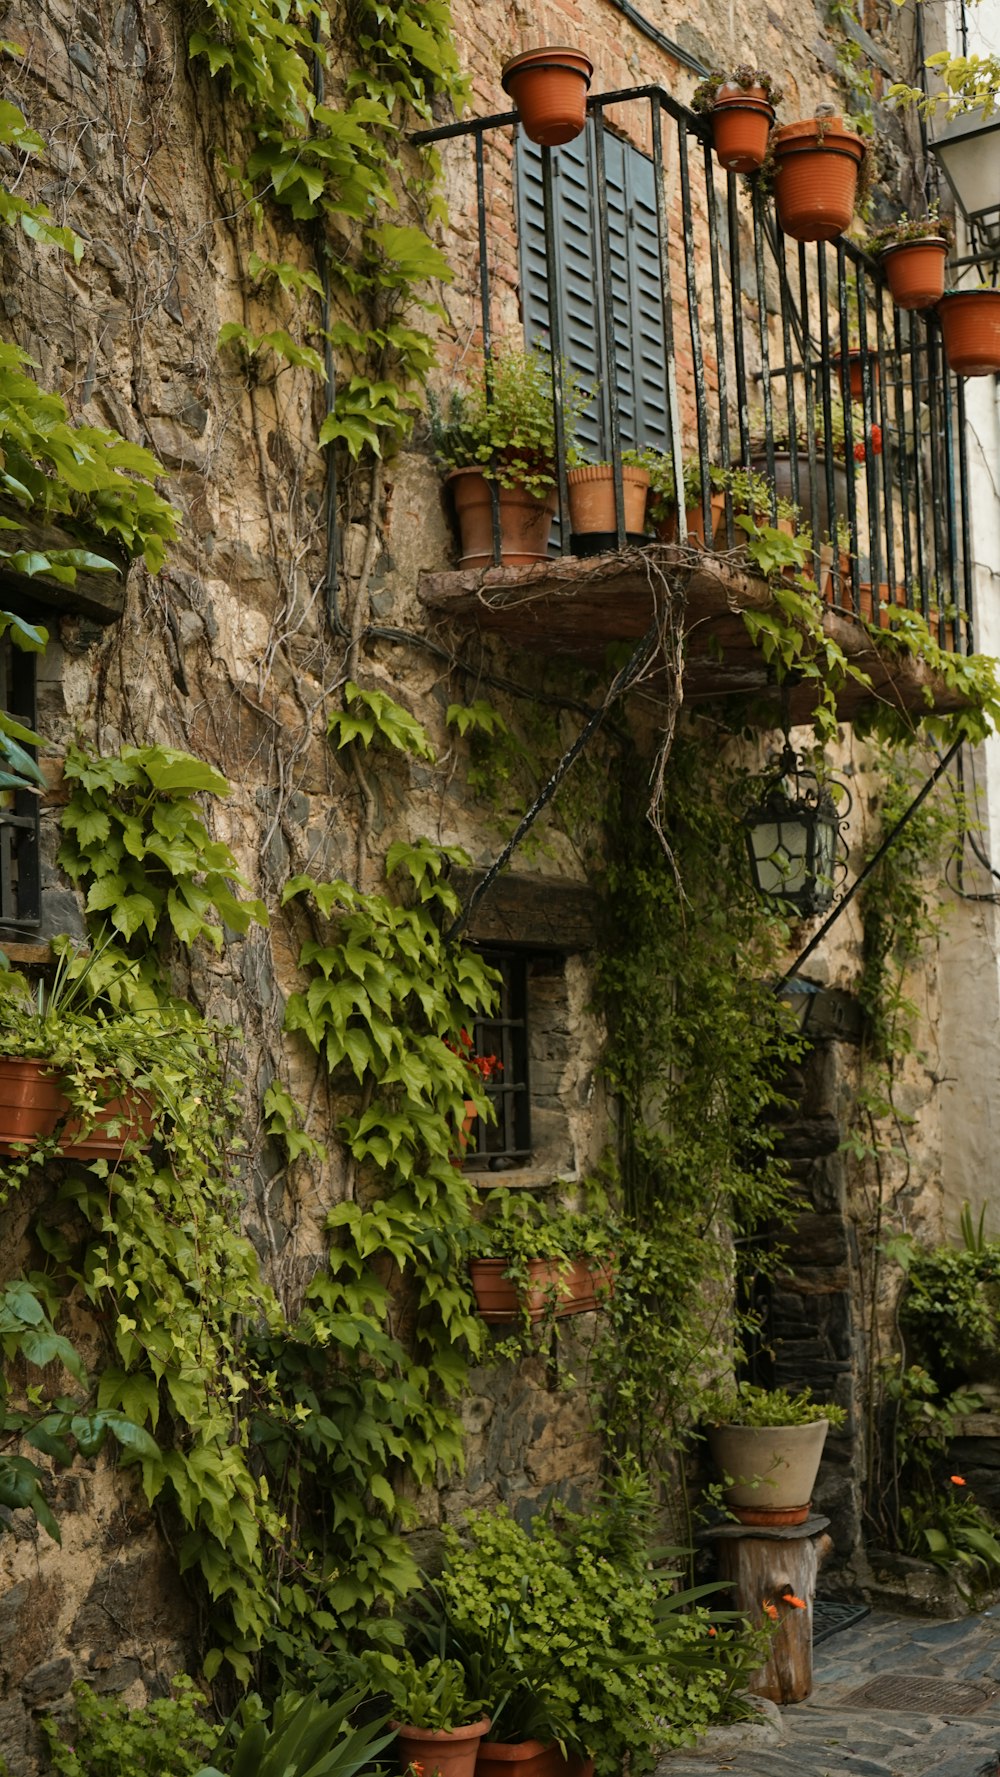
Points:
point(793, 834)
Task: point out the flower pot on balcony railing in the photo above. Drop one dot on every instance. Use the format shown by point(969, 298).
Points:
point(549, 87)
point(592, 504)
point(817, 163)
point(741, 107)
point(913, 263)
point(851, 374)
point(970, 326)
point(499, 431)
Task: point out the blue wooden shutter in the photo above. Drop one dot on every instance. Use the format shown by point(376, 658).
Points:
point(635, 280)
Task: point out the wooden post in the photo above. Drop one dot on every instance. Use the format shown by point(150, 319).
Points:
point(769, 1567)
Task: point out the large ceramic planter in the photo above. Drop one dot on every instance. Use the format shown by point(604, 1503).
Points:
point(552, 1288)
point(741, 123)
point(816, 164)
point(769, 1471)
point(783, 485)
point(528, 1758)
point(450, 1751)
point(970, 325)
point(525, 521)
point(914, 271)
point(32, 1105)
point(592, 500)
point(549, 88)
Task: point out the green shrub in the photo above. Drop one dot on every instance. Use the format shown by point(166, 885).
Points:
point(167, 1738)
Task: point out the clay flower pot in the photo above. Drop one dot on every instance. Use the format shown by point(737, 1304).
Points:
point(741, 123)
point(914, 271)
point(592, 499)
point(816, 164)
point(771, 1469)
point(578, 1288)
point(549, 88)
point(528, 1758)
point(694, 518)
point(525, 521)
point(32, 1105)
point(450, 1751)
point(851, 376)
point(970, 325)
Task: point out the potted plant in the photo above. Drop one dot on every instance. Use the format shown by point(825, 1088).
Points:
point(437, 1723)
point(767, 1446)
point(820, 171)
point(531, 1263)
point(741, 107)
point(592, 501)
point(913, 252)
point(835, 446)
point(549, 87)
point(501, 430)
point(76, 1077)
point(850, 370)
point(970, 328)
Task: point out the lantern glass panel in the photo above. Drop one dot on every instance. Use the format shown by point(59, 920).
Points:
point(781, 850)
point(969, 152)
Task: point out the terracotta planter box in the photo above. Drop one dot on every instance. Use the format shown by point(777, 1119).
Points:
point(452, 1752)
point(577, 1289)
point(31, 1106)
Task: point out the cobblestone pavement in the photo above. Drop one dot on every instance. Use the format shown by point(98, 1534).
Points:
point(829, 1737)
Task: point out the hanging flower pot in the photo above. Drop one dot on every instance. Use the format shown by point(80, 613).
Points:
point(914, 270)
point(525, 521)
point(741, 123)
point(970, 325)
point(852, 374)
point(592, 501)
point(549, 88)
point(816, 165)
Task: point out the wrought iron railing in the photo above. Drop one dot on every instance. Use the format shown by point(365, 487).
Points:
point(750, 342)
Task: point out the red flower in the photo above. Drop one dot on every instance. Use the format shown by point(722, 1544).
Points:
point(771, 1610)
point(876, 436)
point(957, 1479)
point(874, 442)
point(796, 1603)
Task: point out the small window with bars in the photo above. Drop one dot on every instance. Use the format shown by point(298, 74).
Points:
point(500, 1146)
point(20, 880)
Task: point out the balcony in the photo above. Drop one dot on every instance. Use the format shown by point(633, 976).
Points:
point(732, 346)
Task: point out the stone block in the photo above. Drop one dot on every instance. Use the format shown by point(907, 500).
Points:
point(47, 1682)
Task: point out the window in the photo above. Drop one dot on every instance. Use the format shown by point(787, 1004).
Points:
point(20, 886)
point(507, 1142)
point(636, 282)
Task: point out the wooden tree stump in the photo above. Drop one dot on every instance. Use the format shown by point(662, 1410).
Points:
point(769, 1568)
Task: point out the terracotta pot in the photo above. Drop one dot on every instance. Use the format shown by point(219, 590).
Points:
point(830, 593)
point(741, 123)
point(970, 325)
point(783, 485)
point(32, 1105)
point(816, 177)
point(450, 1751)
point(592, 498)
point(770, 1468)
point(851, 383)
point(525, 521)
point(528, 1758)
point(549, 88)
point(877, 605)
point(577, 1289)
point(914, 271)
point(694, 518)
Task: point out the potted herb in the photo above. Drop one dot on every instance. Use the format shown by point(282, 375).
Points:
point(592, 500)
point(438, 1725)
point(501, 429)
point(970, 328)
point(741, 107)
point(531, 1263)
point(820, 171)
point(767, 1446)
point(77, 1078)
point(549, 87)
point(913, 251)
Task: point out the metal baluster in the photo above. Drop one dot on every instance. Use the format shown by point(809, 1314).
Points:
point(809, 386)
point(880, 387)
point(918, 467)
point(736, 287)
point(948, 449)
point(610, 366)
point(555, 345)
point(787, 348)
point(720, 338)
point(904, 473)
point(938, 490)
point(667, 301)
point(828, 440)
point(700, 395)
point(963, 485)
point(765, 361)
point(484, 300)
point(871, 472)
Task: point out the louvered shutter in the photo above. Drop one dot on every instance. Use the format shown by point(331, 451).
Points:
point(635, 280)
